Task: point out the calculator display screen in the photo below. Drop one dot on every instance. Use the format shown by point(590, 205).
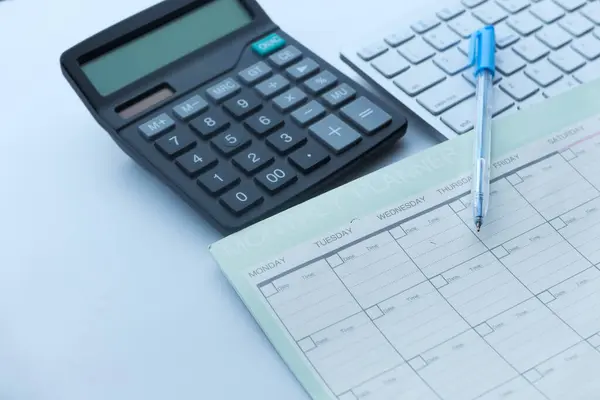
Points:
point(159, 47)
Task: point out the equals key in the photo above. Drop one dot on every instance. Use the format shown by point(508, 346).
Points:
point(365, 115)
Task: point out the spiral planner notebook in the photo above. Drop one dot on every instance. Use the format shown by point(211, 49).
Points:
point(381, 289)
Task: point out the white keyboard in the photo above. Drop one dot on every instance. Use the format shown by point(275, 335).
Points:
point(543, 48)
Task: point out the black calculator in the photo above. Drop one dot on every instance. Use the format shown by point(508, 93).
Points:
point(225, 108)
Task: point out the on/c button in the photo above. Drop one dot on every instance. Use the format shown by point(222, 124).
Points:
point(268, 44)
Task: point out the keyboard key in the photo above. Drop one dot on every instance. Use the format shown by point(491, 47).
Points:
point(253, 159)
point(513, 6)
point(576, 24)
point(242, 199)
point(309, 157)
point(502, 102)
point(465, 25)
point(397, 38)
point(490, 13)
point(592, 12)
point(223, 90)
point(423, 25)
point(196, 161)
point(588, 46)
point(468, 75)
point(371, 51)
point(156, 126)
point(530, 101)
point(547, 11)
point(563, 85)
point(286, 140)
point(416, 80)
point(290, 99)
point(505, 36)
point(339, 95)
point(302, 69)
point(446, 95)
point(365, 115)
point(531, 49)
point(243, 105)
point(390, 64)
point(441, 38)
point(508, 62)
point(285, 57)
point(472, 3)
point(463, 47)
point(452, 61)
point(597, 33)
point(570, 5)
point(554, 36)
point(588, 73)
point(210, 123)
point(519, 87)
point(272, 86)
point(190, 108)
point(524, 23)
point(263, 122)
point(543, 73)
point(450, 11)
point(335, 134)
point(175, 143)
point(308, 113)
point(460, 118)
point(255, 73)
point(416, 51)
point(276, 177)
point(566, 59)
point(320, 82)
point(231, 141)
point(218, 179)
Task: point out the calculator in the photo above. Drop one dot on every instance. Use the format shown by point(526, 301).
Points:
point(237, 117)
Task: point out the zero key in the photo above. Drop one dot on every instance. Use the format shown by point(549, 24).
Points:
point(365, 115)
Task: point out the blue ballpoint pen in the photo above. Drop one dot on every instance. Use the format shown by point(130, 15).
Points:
point(482, 56)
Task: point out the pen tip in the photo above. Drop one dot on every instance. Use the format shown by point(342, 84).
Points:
point(478, 225)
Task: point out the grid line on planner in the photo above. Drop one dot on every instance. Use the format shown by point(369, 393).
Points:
point(427, 300)
point(585, 158)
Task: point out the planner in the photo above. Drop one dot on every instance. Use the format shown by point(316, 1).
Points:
point(382, 288)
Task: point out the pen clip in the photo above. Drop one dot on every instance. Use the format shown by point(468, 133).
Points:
point(482, 50)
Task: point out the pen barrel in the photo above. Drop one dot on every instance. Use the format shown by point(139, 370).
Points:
point(482, 144)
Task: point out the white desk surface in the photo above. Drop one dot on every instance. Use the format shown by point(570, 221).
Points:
point(107, 290)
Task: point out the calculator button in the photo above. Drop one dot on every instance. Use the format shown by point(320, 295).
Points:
point(339, 95)
point(290, 99)
point(176, 143)
point(285, 57)
point(156, 126)
point(231, 141)
point(223, 90)
point(196, 161)
point(276, 177)
point(268, 44)
point(255, 73)
point(253, 159)
point(309, 157)
point(273, 86)
point(218, 179)
point(308, 113)
point(242, 198)
point(302, 69)
point(321, 82)
point(335, 134)
point(264, 122)
point(210, 123)
point(190, 108)
point(243, 105)
point(284, 140)
point(366, 115)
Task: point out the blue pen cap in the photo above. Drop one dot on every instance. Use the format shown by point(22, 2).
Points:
point(482, 50)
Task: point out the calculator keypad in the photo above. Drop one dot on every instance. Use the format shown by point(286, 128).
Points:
point(255, 133)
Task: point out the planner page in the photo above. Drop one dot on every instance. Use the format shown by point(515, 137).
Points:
point(407, 301)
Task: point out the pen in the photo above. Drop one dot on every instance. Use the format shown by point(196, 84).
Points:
point(482, 56)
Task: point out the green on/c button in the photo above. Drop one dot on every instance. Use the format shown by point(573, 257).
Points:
point(268, 44)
